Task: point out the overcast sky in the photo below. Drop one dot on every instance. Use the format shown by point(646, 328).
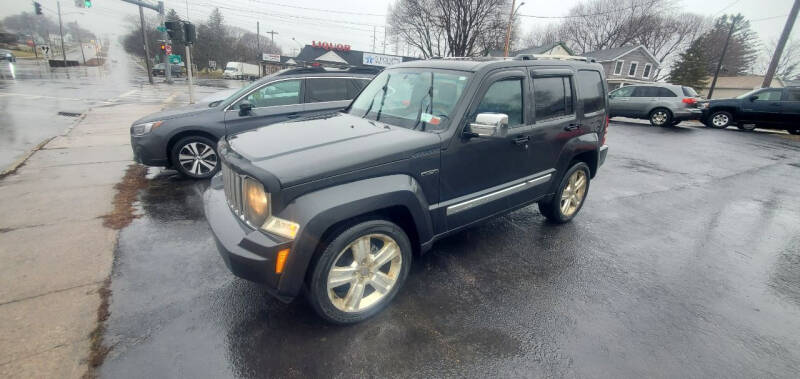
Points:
point(353, 21)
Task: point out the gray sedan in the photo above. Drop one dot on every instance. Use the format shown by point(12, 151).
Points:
point(662, 104)
point(186, 138)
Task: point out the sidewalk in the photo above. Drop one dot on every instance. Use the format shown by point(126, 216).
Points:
point(55, 253)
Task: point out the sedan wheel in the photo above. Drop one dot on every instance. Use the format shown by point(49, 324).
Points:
point(195, 157)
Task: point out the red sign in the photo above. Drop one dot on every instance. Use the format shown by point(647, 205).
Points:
point(168, 49)
point(330, 46)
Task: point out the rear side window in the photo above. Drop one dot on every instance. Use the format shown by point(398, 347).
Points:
point(553, 97)
point(793, 94)
point(354, 87)
point(326, 89)
point(590, 89)
point(504, 96)
point(689, 91)
point(663, 92)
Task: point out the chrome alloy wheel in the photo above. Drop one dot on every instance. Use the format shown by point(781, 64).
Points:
point(720, 120)
point(197, 158)
point(364, 272)
point(573, 193)
point(659, 117)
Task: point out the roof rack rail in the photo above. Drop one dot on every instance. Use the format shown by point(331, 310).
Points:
point(519, 57)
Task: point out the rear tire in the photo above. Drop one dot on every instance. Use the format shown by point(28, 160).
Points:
point(343, 289)
point(195, 157)
point(562, 207)
point(660, 117)
point(720, 120)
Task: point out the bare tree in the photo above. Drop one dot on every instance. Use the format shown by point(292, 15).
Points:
point(450, 27)
point(667, 35)
point(547, 34)
point(788, 65)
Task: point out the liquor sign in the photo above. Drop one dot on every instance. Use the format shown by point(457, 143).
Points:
point(381, 60)
point(330, 46)
point(270, 57)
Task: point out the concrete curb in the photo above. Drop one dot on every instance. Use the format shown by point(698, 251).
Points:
point(12, 168)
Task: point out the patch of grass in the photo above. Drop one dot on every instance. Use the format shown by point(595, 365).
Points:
point(127, 191)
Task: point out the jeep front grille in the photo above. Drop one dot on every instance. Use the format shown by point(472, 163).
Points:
point(233, 189)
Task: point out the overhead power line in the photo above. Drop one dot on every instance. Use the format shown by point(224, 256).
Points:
point(593, 14)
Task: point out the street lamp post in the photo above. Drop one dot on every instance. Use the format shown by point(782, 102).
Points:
point(511, 22)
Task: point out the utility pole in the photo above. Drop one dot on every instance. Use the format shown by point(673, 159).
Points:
point(272, 33)
point(146, 47)
point(35, 49)
point(61, 32)
point(722, 56)
point(776, 57)
point(80, 42)
point(189, 71)
point(508, 30)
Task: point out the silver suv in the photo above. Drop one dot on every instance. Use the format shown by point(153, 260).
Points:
point(662, 104)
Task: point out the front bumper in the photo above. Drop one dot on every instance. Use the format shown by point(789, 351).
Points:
point(149, 151)
point(248, 253)
point(688, 114)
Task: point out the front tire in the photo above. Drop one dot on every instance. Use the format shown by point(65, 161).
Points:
point(720, 120)
point(195, 157)
point(569, 198)
point(660, 117)
point(359, 272)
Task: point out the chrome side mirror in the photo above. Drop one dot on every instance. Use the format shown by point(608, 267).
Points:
point(489, 125)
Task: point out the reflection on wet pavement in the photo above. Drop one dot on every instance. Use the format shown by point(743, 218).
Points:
point(683, 263)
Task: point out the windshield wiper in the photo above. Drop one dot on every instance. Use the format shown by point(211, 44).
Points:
point(383, 98)
point(372, 102)
point(419, 112)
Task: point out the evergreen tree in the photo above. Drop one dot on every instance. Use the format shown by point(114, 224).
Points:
point(691, 67)
point(742, 50)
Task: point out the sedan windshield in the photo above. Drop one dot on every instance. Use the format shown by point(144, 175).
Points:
point(420, 99)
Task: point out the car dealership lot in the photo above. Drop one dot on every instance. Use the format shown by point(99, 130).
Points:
point(684, 262)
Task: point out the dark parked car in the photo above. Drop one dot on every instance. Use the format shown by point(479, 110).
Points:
point(662, 103)
point(158, 70)
point(338, 204)
point(767, 108)
point(186, 138)
point(7, 55)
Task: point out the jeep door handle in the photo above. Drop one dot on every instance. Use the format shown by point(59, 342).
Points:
point(521, 140)
point(572, 127)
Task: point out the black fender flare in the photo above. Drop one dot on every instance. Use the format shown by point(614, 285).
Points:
point(318, 211)
point(582, 144)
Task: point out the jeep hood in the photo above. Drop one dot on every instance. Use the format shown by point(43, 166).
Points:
point(306, 150)
point(185, 111)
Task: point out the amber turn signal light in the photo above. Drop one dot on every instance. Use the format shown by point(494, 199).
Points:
point(280, 261)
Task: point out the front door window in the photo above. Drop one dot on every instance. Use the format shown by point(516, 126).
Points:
point(285, 92)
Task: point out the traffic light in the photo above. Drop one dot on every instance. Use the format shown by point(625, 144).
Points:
point(87, 3)
point(37, 7)
point(174, 30)
point(189, 34)
point(163, 47)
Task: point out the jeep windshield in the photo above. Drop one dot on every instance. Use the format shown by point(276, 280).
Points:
point(420, 99)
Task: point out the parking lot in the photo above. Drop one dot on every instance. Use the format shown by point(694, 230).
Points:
point(684, 262)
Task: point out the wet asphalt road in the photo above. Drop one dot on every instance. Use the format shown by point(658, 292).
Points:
point(684, 262)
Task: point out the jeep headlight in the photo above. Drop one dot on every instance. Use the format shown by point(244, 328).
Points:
point(256, 206)
point(142, 129)
point(257, 211)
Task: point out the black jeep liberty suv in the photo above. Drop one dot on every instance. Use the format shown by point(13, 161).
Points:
point(337, 205)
